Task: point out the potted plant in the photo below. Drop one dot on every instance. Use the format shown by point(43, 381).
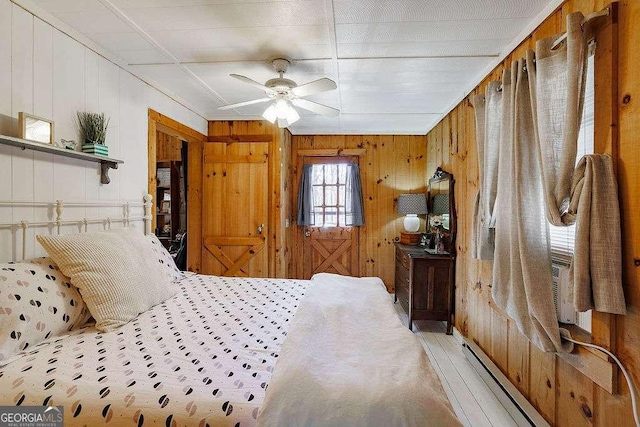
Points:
point(93, 128)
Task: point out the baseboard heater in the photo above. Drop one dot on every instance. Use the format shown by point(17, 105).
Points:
point(523, 413)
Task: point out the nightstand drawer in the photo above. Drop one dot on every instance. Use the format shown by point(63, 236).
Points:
point(402, 276)
point(403, 259)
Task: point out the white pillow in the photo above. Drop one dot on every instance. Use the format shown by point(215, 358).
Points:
point(117, 272)
point(36, 302)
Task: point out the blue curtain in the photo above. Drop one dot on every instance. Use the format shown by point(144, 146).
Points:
point(354, 207)
point(354, 213)
point(305, 197)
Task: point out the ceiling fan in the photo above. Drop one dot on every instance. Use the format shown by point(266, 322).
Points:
point(283, 93)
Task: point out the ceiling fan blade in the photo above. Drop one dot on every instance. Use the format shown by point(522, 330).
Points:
point(242, 104)
point(251, 82)
point(315, 107)
point(316, 86)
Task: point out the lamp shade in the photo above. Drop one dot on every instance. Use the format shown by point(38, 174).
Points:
point(412, 204)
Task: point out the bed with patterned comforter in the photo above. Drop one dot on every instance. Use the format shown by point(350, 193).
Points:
point(201, 358)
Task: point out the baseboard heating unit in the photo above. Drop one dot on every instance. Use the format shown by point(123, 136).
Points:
point(522, 412)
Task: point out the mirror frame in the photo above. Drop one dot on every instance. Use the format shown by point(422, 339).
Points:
point(438, 177)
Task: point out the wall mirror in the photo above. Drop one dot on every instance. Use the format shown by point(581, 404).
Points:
point(442, 212)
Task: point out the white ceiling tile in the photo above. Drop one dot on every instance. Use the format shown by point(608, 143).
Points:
point(395, 32)
point(374, 103)
point(358, 11)
point(70, 5)
point(231, 16)
point(145, 56)
point(94, 21)
point(238, 44)
point(422, 49)
point(141, 4)
point(176, 81)
point(120, 41)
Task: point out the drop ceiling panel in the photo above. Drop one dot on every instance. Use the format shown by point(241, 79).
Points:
point(237, 44)
point(384, 32)
point(230, 16)
point(175, 80)
point(141, 4)
point(70, 5)
point(422, 49)
point(400, 102)
point(93, 21)
point(365, 11)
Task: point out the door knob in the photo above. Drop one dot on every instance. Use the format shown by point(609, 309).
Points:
point(307, 233)
point(260, 228)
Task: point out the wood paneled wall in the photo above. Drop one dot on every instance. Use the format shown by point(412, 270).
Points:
point(393, 164)
point(563, 395)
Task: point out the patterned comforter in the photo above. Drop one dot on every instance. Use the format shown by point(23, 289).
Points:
point(201, 358)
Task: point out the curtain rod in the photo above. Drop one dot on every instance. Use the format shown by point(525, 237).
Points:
point(563, 37)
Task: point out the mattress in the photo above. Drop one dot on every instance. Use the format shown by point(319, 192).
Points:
point(203, 357)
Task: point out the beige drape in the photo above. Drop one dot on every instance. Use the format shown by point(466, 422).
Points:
point(560, 78)
point(488, 110)
point(522, 263)
point(596, 268)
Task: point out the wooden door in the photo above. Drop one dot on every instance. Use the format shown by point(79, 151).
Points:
point(330, 246)
point(234, 214)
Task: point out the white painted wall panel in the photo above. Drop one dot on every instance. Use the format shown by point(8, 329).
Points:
point(42, 69)
point(5, 72)
point(45, 72)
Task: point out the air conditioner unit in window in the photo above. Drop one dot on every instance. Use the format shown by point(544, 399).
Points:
point(565, 309)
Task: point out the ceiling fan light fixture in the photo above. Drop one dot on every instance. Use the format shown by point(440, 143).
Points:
point(292, 115)
point(270, 114)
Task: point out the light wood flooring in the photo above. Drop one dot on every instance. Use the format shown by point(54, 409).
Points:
point(474, 403)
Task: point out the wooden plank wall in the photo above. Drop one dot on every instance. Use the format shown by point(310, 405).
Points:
point(564, 396)
point(393, 164)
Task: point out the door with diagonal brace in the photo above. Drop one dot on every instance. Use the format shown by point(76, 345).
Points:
point(330, 246)
point(235, 200)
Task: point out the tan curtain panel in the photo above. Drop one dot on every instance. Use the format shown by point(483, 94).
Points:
point(488, 110)
point(596, 267)
point(522, 263)
point(560, 78)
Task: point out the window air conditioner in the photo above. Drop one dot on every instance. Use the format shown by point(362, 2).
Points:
point(565, 309)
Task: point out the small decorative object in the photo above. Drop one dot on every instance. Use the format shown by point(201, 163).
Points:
point(35, 128)
point(93, 127)
point(69, 145)
point(166, 229)
point(166, 206)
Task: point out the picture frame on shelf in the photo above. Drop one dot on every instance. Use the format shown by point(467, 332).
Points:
point(166, 206)
point(34, 128)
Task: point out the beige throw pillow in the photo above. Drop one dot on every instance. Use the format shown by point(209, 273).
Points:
point(117, 272)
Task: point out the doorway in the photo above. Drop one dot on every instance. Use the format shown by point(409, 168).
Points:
point(329, 245)
point(171, 146)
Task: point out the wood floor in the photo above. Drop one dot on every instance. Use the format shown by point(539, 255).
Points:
point(474, 403)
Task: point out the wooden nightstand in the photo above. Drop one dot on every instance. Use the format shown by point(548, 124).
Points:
point(424, 284)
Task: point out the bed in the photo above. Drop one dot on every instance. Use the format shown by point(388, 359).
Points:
point(218, 352)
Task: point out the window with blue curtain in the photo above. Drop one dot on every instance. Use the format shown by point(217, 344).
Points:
point(330, 195)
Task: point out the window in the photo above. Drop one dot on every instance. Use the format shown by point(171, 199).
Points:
point(329, 194)
point(562, 239)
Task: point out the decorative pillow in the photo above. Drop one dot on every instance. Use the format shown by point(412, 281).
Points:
point(36, 302)
point(116, 271)
point(165, 259)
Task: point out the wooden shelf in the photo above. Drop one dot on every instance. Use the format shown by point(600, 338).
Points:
point(106, 163)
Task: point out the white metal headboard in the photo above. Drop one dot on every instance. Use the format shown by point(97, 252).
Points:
point(58, 207)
